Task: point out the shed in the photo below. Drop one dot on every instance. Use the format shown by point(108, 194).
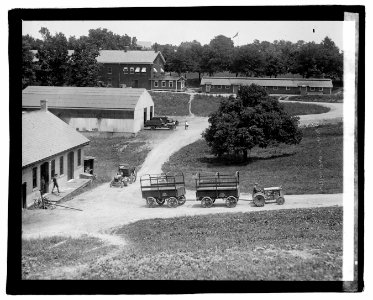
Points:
point(92, 108)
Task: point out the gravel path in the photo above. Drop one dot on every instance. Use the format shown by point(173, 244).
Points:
point(105, 208)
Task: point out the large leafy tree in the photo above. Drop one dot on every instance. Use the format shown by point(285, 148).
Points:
point(28, 66)
point(222, 49)
point(252, 119)
point(83, 66)
point(248, 60)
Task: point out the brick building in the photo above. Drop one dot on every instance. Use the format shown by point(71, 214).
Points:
point(136, 69)
point(291, 86)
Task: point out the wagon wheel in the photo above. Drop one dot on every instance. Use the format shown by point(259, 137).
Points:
point(150, 201)
point(172, 202)
point(259, 200)
point(181, 200)
point(231, 201)
point(206, 202)
point(160, 202)
point(280, 200)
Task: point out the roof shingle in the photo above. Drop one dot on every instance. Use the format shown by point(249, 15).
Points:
point(45, 135)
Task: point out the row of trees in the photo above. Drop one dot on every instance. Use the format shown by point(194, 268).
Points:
point(56, 67)
point(255, 59)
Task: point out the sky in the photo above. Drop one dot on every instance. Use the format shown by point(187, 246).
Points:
point(175, 32)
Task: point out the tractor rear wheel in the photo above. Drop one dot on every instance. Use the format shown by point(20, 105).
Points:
point(206, 202)
point(259, 200)
point(280, 200)
point(160, 202)
point(172, 202)
point(150, 201)
point(181, 200)
point(231, 201)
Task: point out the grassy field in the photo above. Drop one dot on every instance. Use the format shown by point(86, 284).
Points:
point(296, 244)
point(204, 105)
point(333, 98)
point(170, 104)
point(307, 168)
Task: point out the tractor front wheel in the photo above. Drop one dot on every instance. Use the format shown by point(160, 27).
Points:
point(150, 201)
point(280, 200)
point(181, 200)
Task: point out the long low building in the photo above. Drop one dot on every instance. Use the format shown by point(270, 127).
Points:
point(94, 109)
point(301, 86)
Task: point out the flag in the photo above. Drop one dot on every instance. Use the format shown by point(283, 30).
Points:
point(235, 35)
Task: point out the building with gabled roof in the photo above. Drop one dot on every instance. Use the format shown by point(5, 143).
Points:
point(302, 86)
point(94, 109)
point(49, 146)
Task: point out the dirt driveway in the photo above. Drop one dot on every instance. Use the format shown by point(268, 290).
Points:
point(105, 208)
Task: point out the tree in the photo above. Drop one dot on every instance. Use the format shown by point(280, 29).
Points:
point(248, 60)
point(252, 119)
point(28, 67)
point(83, 66)
point(222, 49)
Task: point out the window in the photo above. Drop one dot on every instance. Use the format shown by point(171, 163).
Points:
point(109, 70)
point(287, 88)
point(155, 70)
point(109, 81)
point(34, 177)
point(143, 70)
point(170, 83)
point(227, 87)
point(79, 157)
point(61, 165)
point(275, 87)
point(137, 70)
point(53, 167)
point(162, 71)
point(321, 89)
point(312, 88)
point(125, 70)
point(132, 70)
point(163, 83)
point(155, 83)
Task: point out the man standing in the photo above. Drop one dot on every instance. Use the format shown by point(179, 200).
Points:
point(55, 184)
point(186, 125)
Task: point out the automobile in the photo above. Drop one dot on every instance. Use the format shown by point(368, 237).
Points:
point(160, 122)
point(126, 174)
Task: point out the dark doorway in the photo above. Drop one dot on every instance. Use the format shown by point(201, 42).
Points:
point(44, 178)
point(135, 83)
point(145, 114)
point(70, 165)
point(151, 113)
point(24, 191)
point(208, 87)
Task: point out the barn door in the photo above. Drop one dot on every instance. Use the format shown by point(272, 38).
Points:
point(24, 191)
point(145, 114)
point(70, 165)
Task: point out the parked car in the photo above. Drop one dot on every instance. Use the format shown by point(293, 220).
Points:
point(160, 122)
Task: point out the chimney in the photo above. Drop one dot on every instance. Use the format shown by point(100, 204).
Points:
point(126, 48)
point(43, 105)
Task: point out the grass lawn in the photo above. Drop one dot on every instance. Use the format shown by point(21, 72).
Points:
point(333, 98)
point(294, 244)
point(307, 168)
point(204, 105)
point(170, 104)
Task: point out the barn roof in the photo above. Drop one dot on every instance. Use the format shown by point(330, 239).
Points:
point(82, 97)
point(45, 135)
point(121, 56)
point(290, 82)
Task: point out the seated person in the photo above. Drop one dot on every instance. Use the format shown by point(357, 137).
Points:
point(256, 188)
point(118, 177)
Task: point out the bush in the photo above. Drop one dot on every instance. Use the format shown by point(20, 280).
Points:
point(333, 98)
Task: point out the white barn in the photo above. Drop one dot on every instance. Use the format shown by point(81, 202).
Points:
point(91, 109)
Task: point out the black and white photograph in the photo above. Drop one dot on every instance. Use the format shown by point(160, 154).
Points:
point(186, 151)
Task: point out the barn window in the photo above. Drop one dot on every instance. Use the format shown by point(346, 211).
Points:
point(79, 157)
point(53, 167)
point(312, 88)
point(288, 88)
point(163, 83)
point(125, 70)
point(321, 89)
point(61, 165)
point(132, 70)
point(170, 83)
point(109, 70)
point(137, 70)
point(275, 87)
point(155, 83)
point(34, 177)
point(143, 70)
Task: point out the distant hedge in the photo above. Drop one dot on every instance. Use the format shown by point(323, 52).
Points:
point(333, 98)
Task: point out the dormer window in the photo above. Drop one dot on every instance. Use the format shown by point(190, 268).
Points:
point(143, 70)
point(137, 70)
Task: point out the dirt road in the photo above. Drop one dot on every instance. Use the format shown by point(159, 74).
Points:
point(105, 208)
